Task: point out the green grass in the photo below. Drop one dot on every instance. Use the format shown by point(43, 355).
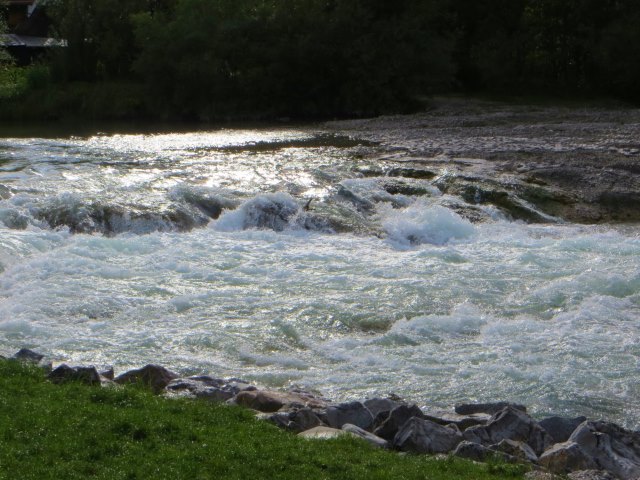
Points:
point(76, 432)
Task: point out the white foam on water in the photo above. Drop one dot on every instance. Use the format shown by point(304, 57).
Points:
point(423, 222)
point(436, 309)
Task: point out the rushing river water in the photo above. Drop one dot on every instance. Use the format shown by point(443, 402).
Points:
point(201, 251)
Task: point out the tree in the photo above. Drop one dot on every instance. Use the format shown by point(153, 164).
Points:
point(4, 55)
point(99, 35)
point(213, 58)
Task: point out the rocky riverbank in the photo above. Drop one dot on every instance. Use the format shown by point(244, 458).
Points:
point(578, 447)
point(535, 163)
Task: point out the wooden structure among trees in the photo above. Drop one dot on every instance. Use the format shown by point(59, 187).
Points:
point(18, 11)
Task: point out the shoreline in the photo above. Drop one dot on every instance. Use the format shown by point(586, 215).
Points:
point(477, 431)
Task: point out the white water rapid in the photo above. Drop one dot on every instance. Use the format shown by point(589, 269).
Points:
point(265, 254)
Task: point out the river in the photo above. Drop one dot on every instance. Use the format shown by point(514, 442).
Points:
point(329, 256)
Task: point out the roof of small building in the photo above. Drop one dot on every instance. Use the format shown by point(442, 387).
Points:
point(11, 40)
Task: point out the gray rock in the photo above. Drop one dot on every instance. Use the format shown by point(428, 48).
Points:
point(561, 428)
point(423, 436)
point(65, 373)
point(591, 475)
point(380, 405)
point(367, 436)
point(461, 421)
point(566, 457)
point(353, 412)
point(153, 376)
point(322, 433)
point(612, 448)
point(488, 408)
point(480, 453)
point(512, 424)
point(28, 356)
point(396, 419)
point(25, 355)
point(271, 401)
point(108, 374)
point(304, 419)
point(206, 387)
point(295, 421)
point(418, 173)
point(379, 419)
point(519, 450)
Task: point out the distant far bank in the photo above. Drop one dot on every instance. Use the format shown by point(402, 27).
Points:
point(124, 106)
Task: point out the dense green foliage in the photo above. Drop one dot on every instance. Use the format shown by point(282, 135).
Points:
point(217, 59)
point(4, 56)
point(78, 432)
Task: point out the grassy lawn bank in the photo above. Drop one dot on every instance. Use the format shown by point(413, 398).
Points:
point(74, 431)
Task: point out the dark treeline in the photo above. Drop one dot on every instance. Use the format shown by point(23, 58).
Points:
point(211, 59)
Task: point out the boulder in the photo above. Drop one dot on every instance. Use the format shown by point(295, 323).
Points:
point(380, 405)
point(488, 408)
point(65, 373)
point(511, 424)
point(519, 450)
point(461, 421)
point(354, 413)
point(108, 374)
point(423, 436)
point(206, 387)
point(153, 376)
point(610, 446)
point(561, 428)
point(418, 173)
point(367, 436)
point(304, 419)
point(296, 421)
point(322, 433)
point(28, 356)
point(566, 457)
point(271, 401)
point(480, 453)
point(396, 419)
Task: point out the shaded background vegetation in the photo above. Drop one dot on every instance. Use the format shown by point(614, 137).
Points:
point(218, 59)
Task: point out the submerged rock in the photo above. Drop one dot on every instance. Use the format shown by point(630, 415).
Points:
point(409, 172)
point(153, 376)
